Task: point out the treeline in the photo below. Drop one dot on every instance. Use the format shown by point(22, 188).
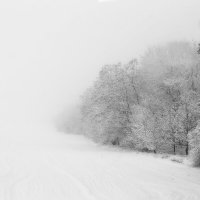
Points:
point(151, 105)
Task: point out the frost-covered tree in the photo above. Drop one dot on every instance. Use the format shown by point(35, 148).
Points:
point(108, 103)
point(173, 71)
point(198, 51)
point(194, 141)
point(150, 105)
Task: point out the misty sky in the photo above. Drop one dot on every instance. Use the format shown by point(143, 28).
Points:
point(51, 50)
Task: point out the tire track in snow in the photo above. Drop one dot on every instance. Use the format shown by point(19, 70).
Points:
point(70, 168)
point(86, 175)
point(9, 191)
point(81, 187)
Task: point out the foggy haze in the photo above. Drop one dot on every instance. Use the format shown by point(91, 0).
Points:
point(134, 134)
point(51, 51)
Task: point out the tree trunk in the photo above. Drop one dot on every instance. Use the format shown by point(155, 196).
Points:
point(187, 149)
point(187, 130)
point(174, 149)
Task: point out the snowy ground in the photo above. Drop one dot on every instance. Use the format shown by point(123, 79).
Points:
point(55, 166)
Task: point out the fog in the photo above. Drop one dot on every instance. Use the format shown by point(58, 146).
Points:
point(51, 50)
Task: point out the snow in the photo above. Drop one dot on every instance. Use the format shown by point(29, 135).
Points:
point(56, 166)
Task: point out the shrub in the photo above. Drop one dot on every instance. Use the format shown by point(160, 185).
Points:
point(195, 156)
point(194, 141)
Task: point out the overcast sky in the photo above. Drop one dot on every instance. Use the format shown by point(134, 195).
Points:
point(51, 50)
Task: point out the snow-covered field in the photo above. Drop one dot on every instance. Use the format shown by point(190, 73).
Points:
point(56, 166)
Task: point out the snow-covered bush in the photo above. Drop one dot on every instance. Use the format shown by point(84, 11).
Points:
point(177, 159)
point(194, 141)
point(195, 156)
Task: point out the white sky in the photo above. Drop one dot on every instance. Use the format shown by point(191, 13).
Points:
point(51, 50)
